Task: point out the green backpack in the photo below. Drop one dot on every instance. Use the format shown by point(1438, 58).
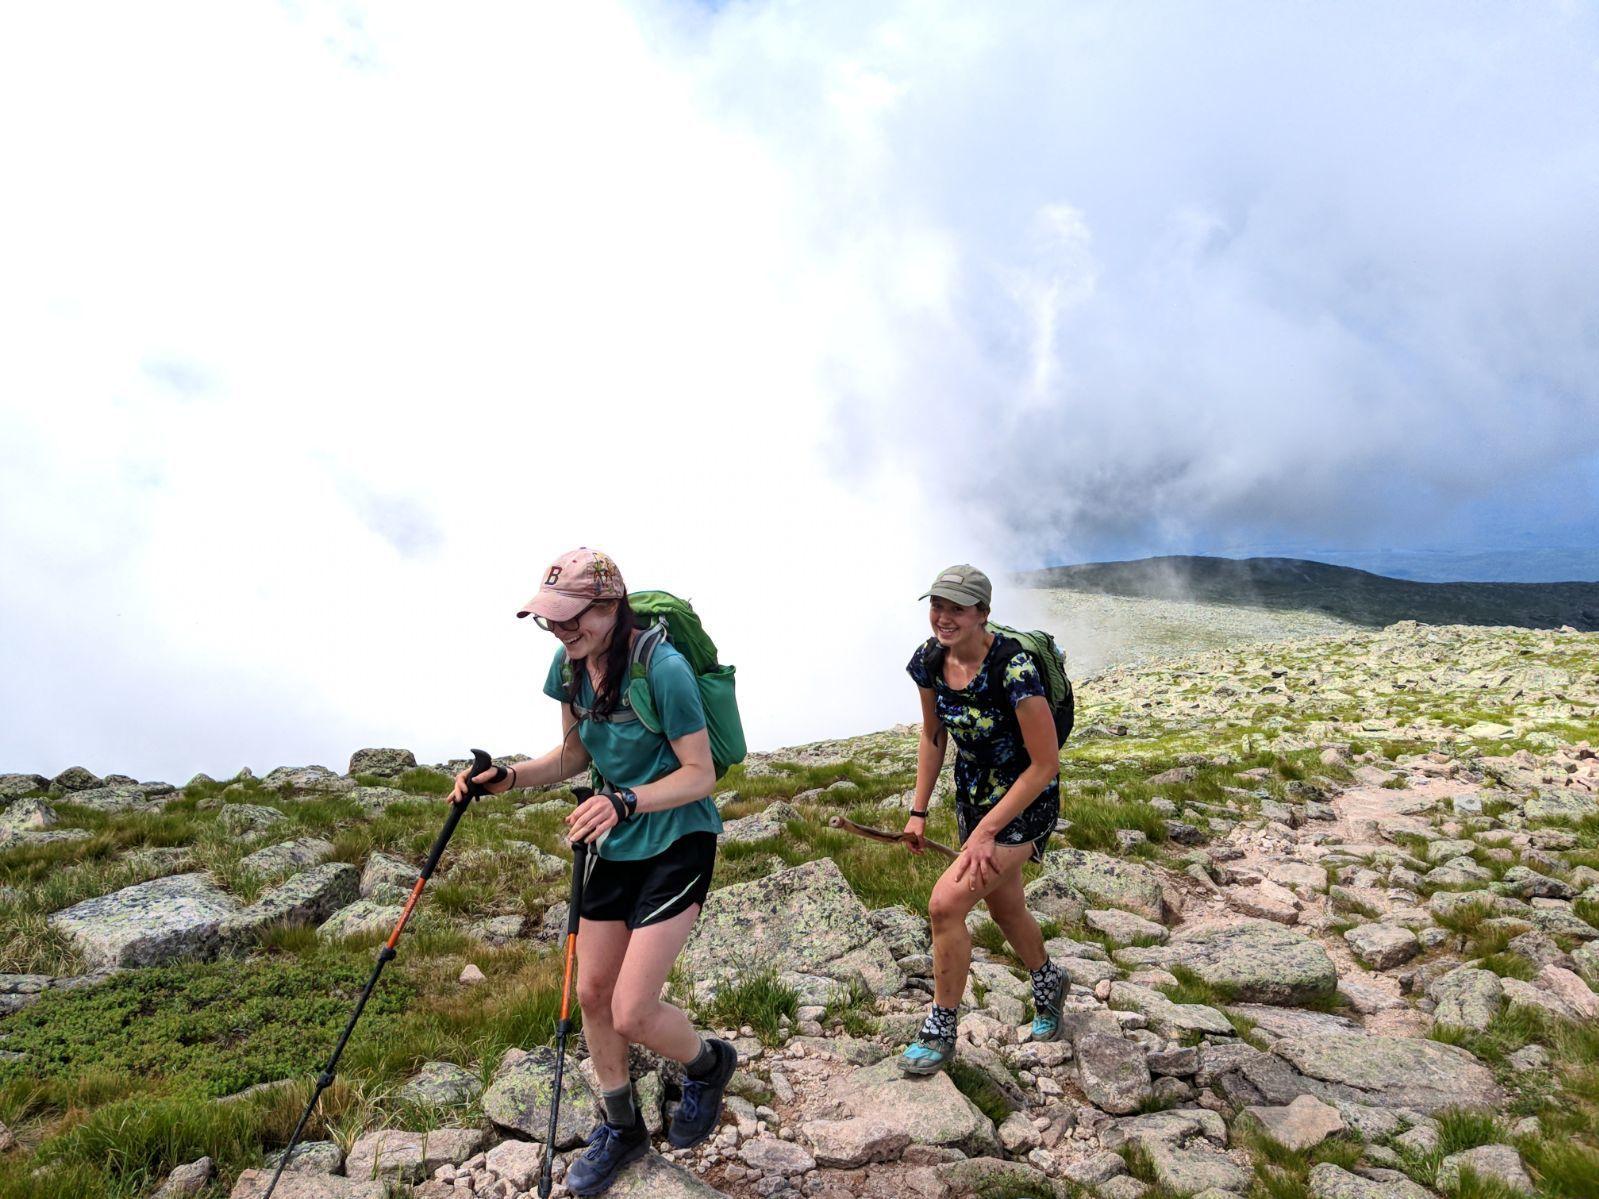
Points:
point(664, 617)
point(1046, 655)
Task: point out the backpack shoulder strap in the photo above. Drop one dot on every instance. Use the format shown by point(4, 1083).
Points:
point(933, 660)
point(1008, 648)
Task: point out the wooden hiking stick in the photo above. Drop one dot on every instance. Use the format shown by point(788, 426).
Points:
point(877, 834)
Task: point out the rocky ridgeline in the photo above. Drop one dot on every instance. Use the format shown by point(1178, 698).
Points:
point(1302, 963)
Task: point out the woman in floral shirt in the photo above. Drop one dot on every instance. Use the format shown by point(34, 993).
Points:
point(984, 691)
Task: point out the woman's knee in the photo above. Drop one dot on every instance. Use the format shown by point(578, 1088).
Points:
point(595, 996)
point(947, 906)
point(631, 1014)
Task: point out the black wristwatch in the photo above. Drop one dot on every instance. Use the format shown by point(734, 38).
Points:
point(922, 814)
point(629, 807)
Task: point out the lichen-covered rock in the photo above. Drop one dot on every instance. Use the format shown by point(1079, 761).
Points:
point(1302, 1124)
point(76, 778)
point(442, 1084)
point(1256, 960)
point(410, 1156)
point(805, 919)
point(14, 785)
point(164, 920)
point(1169, 1019)
point(1111, 882)
point(848, 1144)
point(1328, 1181)
point(247, 819)
point(1383, 946)
point(1587, 959)
point(388, 762)
point(1561, 805)
point(930, 1110)
point(317, 780)
point(1467, 998)
point(362, 916)
point(653, 1177)
point(1113, 1073)
point(1123, 927)
point(990, 1175)
point(772, 822)
point(518, 1098)
point(287, 856)
point(187, 1180)
point(123, 798)
point(309, 897)
point(1390, 1072)
point(902, 930)
point(375, 800)
point(1490, 1163)
point(311, 1157)
point(1052, 896)
point(388, 879)
point(253, 1184)
point(27, 815)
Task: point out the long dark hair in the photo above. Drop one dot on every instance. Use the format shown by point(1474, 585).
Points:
point(617, 660)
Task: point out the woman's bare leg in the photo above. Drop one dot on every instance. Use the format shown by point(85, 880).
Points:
point(947, 909)
point(1008, 906)
point(637, 1011)
point(602, 945)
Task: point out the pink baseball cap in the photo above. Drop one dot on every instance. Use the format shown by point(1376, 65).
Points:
point(573, 582)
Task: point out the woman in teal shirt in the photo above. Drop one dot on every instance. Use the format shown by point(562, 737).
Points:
point(652, 832)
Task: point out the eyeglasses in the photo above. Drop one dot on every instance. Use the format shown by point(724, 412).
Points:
point(565, 626)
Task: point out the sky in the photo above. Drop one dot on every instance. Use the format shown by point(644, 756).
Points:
point(327, 326)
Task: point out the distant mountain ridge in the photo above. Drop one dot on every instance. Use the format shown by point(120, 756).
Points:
point(1354, 595)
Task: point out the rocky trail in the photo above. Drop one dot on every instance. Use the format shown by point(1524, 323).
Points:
point(1347, 950)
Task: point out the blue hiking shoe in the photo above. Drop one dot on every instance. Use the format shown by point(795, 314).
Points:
point(610, 1148)
point(927, 1055)
point(701, 1107)
point(1046, 1015)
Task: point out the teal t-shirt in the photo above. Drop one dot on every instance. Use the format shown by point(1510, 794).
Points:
point(629, 755)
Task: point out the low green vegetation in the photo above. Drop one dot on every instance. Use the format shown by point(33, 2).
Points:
point(756, 1000)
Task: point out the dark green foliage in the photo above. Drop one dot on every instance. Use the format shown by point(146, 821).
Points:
point(980, 1089)
point(758, 1000)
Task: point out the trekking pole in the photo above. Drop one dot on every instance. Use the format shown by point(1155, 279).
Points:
point(480, 762)
point(580, 852)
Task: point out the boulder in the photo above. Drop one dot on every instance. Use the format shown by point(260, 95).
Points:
point(772, 822)
point(1303, 1124)
point(804, 919)
point(1123, 927)
point(76, 778)
point(28, 815)
point(848, 1144)
point(1467, 998)
point(388, 762)
point(388, 879)
point(1490, 1163)
point(771, 1155)
point(1169, 1019)
point(309, 897)
point(1328, 1181)
point(1571, 990)
point(362, 916)
point(903, 931)
point(247, 819)
point(311, 1157)
point(165, 920)
point(1382, 946)
point(653, 1177)
point(410, 1156)
point(931, 1110)
point(442, 1084)
point(1561, 805)
point(1256, 960)
point(1586, 958)
point(1111, 882)
point(287, 856)
point(253, 1184)
point(1389, 1072)
point(318, 780)
point(187, 1180)
point(1113, 1073)
point(1052, 896)
point(14, 785)
point(518, 1162)
point(376, 800)
point(518, 1098)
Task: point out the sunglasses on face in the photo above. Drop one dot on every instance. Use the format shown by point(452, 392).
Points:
point(565, 626)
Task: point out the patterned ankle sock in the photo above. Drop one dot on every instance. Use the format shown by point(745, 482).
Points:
point(1045, 979)
point(940, 1024)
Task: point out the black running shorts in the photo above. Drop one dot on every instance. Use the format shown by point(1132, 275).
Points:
point(650, 890)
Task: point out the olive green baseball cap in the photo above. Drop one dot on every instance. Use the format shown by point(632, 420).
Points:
point(963, 584)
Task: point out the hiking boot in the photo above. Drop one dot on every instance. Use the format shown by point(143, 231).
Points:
point(701, 1108)
point(927, 1055)
point(610, 1148)
point(1046, 1016)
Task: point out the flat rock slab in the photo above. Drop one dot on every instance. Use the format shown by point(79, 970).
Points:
point(1124, 927)
point(1328, 1181)
point(1111, 882)
point(1114, 1073)
point(653, 1177)
point(805, 919)
point(1195, 1168)
point(1383, 946)
point(165, 920)
point(1467, 998)
point(411, 1156)
point(1167, 1018)
point(1260, 962)
point(307, 898)
point(848, 1144)
point(311, 1157)
point(362, 916)
point(253, 1184)
point(771, 1155)
point(442, 1084)
point(247, 819)
point(518, 1098)
point(1495, 1163)
point(773, 822)
point(930, 1110)
point(1303, 1124)
point(287, 856)
point(1390, 1072)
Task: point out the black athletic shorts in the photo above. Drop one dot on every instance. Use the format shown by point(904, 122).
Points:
point(650, 890)
point(1033, 827)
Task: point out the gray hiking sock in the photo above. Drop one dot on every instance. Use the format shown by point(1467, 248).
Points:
point(1045, 979)
point(705, 1060)
point(939, 1025)
point(620, 1108)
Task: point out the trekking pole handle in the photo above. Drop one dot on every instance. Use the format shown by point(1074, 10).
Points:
point(474, 790)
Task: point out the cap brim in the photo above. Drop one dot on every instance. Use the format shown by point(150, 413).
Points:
point(955, 595)
point(552, 605)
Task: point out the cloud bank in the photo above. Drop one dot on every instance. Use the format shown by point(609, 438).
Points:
point(330, 325)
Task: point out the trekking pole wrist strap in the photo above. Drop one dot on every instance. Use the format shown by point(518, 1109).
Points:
point(625, 801)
